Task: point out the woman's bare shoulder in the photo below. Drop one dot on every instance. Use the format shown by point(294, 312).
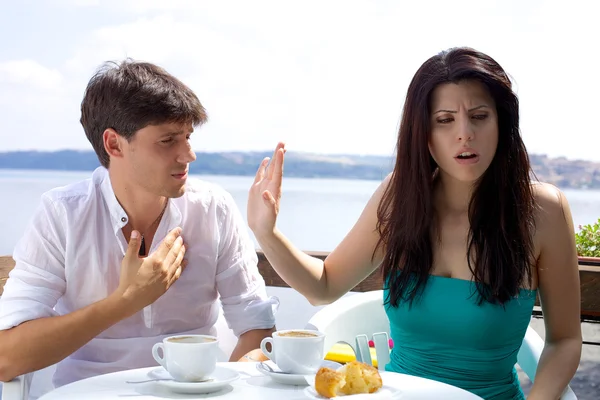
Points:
point(552, 209)
point(548, 197)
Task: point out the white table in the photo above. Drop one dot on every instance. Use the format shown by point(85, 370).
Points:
point(251, 385)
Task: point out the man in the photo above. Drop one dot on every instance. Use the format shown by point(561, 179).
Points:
point(111, 265)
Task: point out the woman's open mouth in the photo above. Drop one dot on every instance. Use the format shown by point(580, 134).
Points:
point(467, 157)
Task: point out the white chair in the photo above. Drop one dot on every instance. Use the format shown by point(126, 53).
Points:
point(18, 388)
point(352, 320)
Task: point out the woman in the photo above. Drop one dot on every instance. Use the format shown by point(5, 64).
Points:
point(464, 239)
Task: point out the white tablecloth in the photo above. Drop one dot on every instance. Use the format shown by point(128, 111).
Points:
point(251, 385)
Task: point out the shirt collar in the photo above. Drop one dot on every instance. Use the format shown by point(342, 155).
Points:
point(118, 215)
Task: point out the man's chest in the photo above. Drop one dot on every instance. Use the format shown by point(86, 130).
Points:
point(93, 270)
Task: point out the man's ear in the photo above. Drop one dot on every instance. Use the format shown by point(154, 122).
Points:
point(113, 143)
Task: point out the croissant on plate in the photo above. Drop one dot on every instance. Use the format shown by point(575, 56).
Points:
point(353, 378)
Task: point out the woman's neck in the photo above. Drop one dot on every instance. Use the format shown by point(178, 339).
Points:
point(452, 196)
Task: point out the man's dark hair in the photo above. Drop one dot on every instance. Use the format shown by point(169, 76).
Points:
point(132, 95)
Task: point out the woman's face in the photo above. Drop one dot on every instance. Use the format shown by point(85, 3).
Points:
point(464, 130)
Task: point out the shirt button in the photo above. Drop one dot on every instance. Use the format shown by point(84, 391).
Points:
point(123, 219)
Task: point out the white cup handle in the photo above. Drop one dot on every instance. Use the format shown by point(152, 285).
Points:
point(263, 348)
point(159, 359)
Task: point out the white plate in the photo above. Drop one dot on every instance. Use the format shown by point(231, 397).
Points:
point(291, 379)
point(221, 377)
point(385, 393)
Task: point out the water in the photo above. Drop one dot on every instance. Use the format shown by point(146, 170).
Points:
point(315, 214)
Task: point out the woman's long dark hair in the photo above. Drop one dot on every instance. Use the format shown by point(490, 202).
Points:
point(501, 210)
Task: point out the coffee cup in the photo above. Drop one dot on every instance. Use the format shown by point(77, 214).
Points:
point(296, 351)
point(187, 358)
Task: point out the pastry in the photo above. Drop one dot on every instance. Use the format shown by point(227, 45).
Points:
point(353, 378)
point(329, 382)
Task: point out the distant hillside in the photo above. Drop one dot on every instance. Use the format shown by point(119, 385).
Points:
point(227, 163)
point(559, 171)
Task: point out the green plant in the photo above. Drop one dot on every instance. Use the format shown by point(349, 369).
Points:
point(588, 240)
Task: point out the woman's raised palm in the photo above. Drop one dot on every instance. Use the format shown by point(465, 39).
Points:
point(265, 193)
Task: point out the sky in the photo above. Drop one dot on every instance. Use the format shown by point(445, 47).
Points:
point(324, 76)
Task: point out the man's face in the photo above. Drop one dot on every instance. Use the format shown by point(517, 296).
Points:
point(157, 159)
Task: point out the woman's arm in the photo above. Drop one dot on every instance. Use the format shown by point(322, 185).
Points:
point(321, 282)
point(558, 282)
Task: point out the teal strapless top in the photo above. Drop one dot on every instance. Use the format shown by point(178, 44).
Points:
point(446, 336)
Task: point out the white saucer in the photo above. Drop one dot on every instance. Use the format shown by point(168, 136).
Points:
point(385, 393)
point(290, 379)
point(221, 377)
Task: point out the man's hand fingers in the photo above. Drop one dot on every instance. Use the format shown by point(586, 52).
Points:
point(169, 260)
point(133, 247)
point(177, 273)
point(177, 261)
point(176, 276)
point(167, 243)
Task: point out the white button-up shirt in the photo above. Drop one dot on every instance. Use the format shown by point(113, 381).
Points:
point(70, 256)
